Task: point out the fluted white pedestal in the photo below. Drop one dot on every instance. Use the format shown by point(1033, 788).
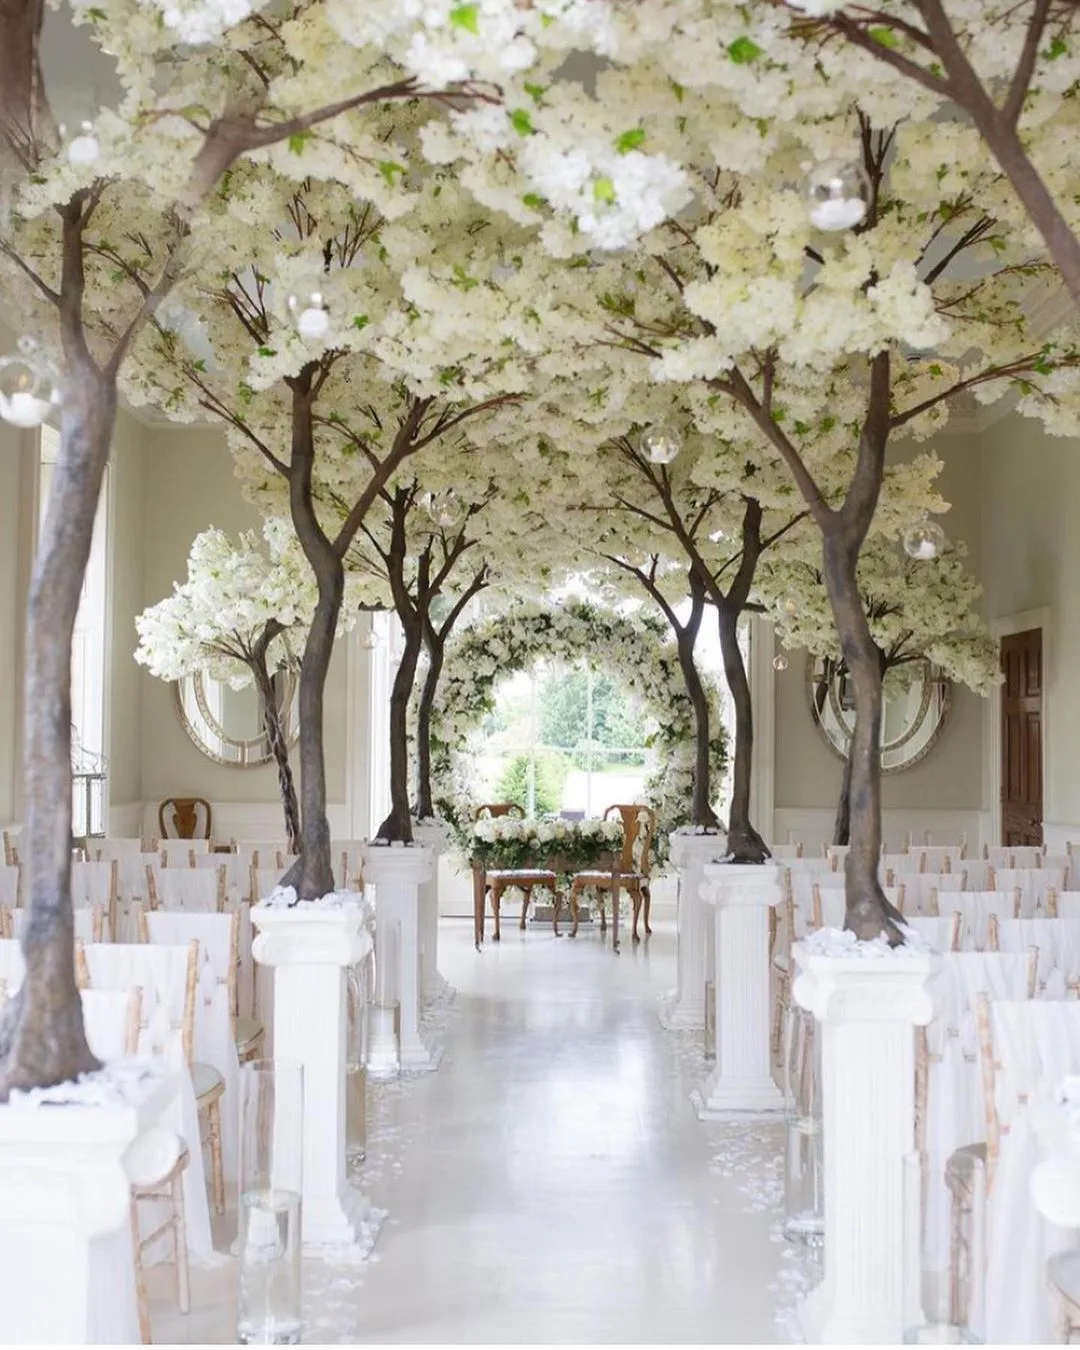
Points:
point(868, 1009)
point(685, 1009)
point(309, 948)
point(66, 1270)
point(397, 873)
point(434, 835)
point(739, 897)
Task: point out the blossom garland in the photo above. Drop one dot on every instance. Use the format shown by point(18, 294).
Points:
point(566, 846)
point(638, 653)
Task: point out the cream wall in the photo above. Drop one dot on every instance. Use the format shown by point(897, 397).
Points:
point(124, 681)
point(949, 779)
point(1031, 559)
point(188, 486)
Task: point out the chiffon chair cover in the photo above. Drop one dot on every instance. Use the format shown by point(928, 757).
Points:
point(161, 973)
point(214, 1041)
point(133, 876)
point(264, 881)
point(1033, 884)
point(807, 865)
point(1035, 1045)
point(939, 857)
point(177, 853)
point(268, 850)
point(836, 854)
point(975, 908)
point(193, 890)
point(1058, 943)
point(998, 855)
point(104, 850)
point(922, 890)
point(106, 1019)
point(9, 886)
point(900, 862)
point(85, 916)
point(12, 965)
point(978, 874)
point(91, 882)
point(348, 864)
point(955, 1113)
point(1067, 904)
point(1062, 860)
point(785, 852)
point(831, 902)
point(937, 930)
point(236, 880)
point(1014, 855)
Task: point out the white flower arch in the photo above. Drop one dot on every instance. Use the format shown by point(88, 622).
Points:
point(635, 650)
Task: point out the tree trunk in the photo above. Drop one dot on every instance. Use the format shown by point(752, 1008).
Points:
point(842, 824)
point(397, 827)
point(745, 845)
point(701, 811)
point(42, 1034)
point(436, 648)
point(279, 748)
point(312, 874)
point(868, 912)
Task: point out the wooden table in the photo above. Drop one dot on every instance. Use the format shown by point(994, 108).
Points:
point(609, 860)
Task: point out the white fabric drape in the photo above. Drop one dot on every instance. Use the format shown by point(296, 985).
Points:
point(935, 930)
point(1058, 943)
point(84, 923)
point(193, 890)
point(923, 889)
point(105, 850)
point(1035, 1045)
point(9, 886)
point(975, 908)
point(1033, 884)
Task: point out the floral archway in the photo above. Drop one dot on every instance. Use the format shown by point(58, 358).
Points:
point(635, 650)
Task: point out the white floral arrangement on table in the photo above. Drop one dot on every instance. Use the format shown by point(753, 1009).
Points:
point(507, 843)
point(636, 650)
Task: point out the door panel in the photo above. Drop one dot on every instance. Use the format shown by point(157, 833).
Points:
point(1021, 739)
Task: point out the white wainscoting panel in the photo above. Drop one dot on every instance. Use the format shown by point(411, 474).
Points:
point(813, 826)
point(247, 820)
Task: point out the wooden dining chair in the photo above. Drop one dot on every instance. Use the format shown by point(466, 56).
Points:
point(189, 817)
point(525, 879)
point(639, 829)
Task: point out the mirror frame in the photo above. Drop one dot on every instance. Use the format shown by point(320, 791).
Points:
point(249, 756)
point(932, 676)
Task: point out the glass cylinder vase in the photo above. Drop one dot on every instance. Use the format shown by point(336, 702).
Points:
point(359, 991)
point(271, 1171)
point(936, 1299)
point(804, 1153)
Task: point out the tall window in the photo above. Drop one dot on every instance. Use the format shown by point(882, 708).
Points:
point(87, 657)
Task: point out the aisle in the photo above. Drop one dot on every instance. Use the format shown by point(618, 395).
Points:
point(550, 1182)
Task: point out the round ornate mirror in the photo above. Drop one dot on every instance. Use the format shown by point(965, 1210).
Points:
point(917, 701)
point(227, 724)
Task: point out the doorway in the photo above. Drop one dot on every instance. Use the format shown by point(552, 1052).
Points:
point(1021, 738)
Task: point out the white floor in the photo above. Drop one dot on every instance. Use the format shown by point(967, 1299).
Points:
point(550, 1182)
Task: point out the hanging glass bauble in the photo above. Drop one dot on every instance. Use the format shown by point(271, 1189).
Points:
point(444, 509)
point(780, 663)
point(85, 147)
point(311, 316)
point(924, 541)
point(370, 640)
point(28, 386)
point(661, 443)
point(790, 606)
point(839, 196)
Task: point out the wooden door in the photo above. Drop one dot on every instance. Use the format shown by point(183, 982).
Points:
point(1021, 739)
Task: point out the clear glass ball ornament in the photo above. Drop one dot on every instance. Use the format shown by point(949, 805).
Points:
point(85, 147)
point(924, 541)
point(839, 195)
point(789, 606)
point(311, 316)
point(444, 509)
point(29, 389)
point(780, 663)
point(370, 640)
point(661, 444)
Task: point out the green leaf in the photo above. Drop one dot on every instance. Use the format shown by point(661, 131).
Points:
point(884, 37)
point(298, 141)
point(533, 199)
point(743, 51)
point(267, 351)
point(1058, 47)
point(360, 321)
point(629, 140)
point(467, 17)
point(603, 190)
point(677, 89)
point(96, 15)
point(389, 169)
point(521, 122)
point(535, 92)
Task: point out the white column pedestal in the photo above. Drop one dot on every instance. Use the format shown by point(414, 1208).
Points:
point(309, 947)
point(434, 835)
point(685, 1009)
point(66, 1268)
point(868, 1009)
point(397, 873)
point(740, 897)
point(1055, 1182)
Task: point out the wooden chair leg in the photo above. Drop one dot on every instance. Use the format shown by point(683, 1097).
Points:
point(526, 896)
point(556, 903)
point(956, 1242)
point(646, 892)
point(601, 895)
point(574, 910)
point(140, 1278)
point(214, 1117)
point(781, 1007)
point(183, 1281)
point(496, 899)
point(635, 899)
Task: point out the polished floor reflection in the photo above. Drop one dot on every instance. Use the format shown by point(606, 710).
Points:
point(550, 1182)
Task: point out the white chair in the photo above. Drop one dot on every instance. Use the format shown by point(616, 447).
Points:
point(1032, 1046)
point(12, 965)
point(975, 909)
point(939, 858)
point(177, 853)
point(236, 876)
point(1058, 944)
point(942, 932)
point(1033, 883)
point(11, 853)
point(786, 852)
point(837, 855)
point(348, 863)
point(941, 838)
point(105, 850)
point(97, 883)
point(169, 978)
point(901, 864)
point(268, 851)
point(195, 889)
point(9, 886)
point(90, 923)
point(1062, 904)
point(263, 881)
point(922, 890)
